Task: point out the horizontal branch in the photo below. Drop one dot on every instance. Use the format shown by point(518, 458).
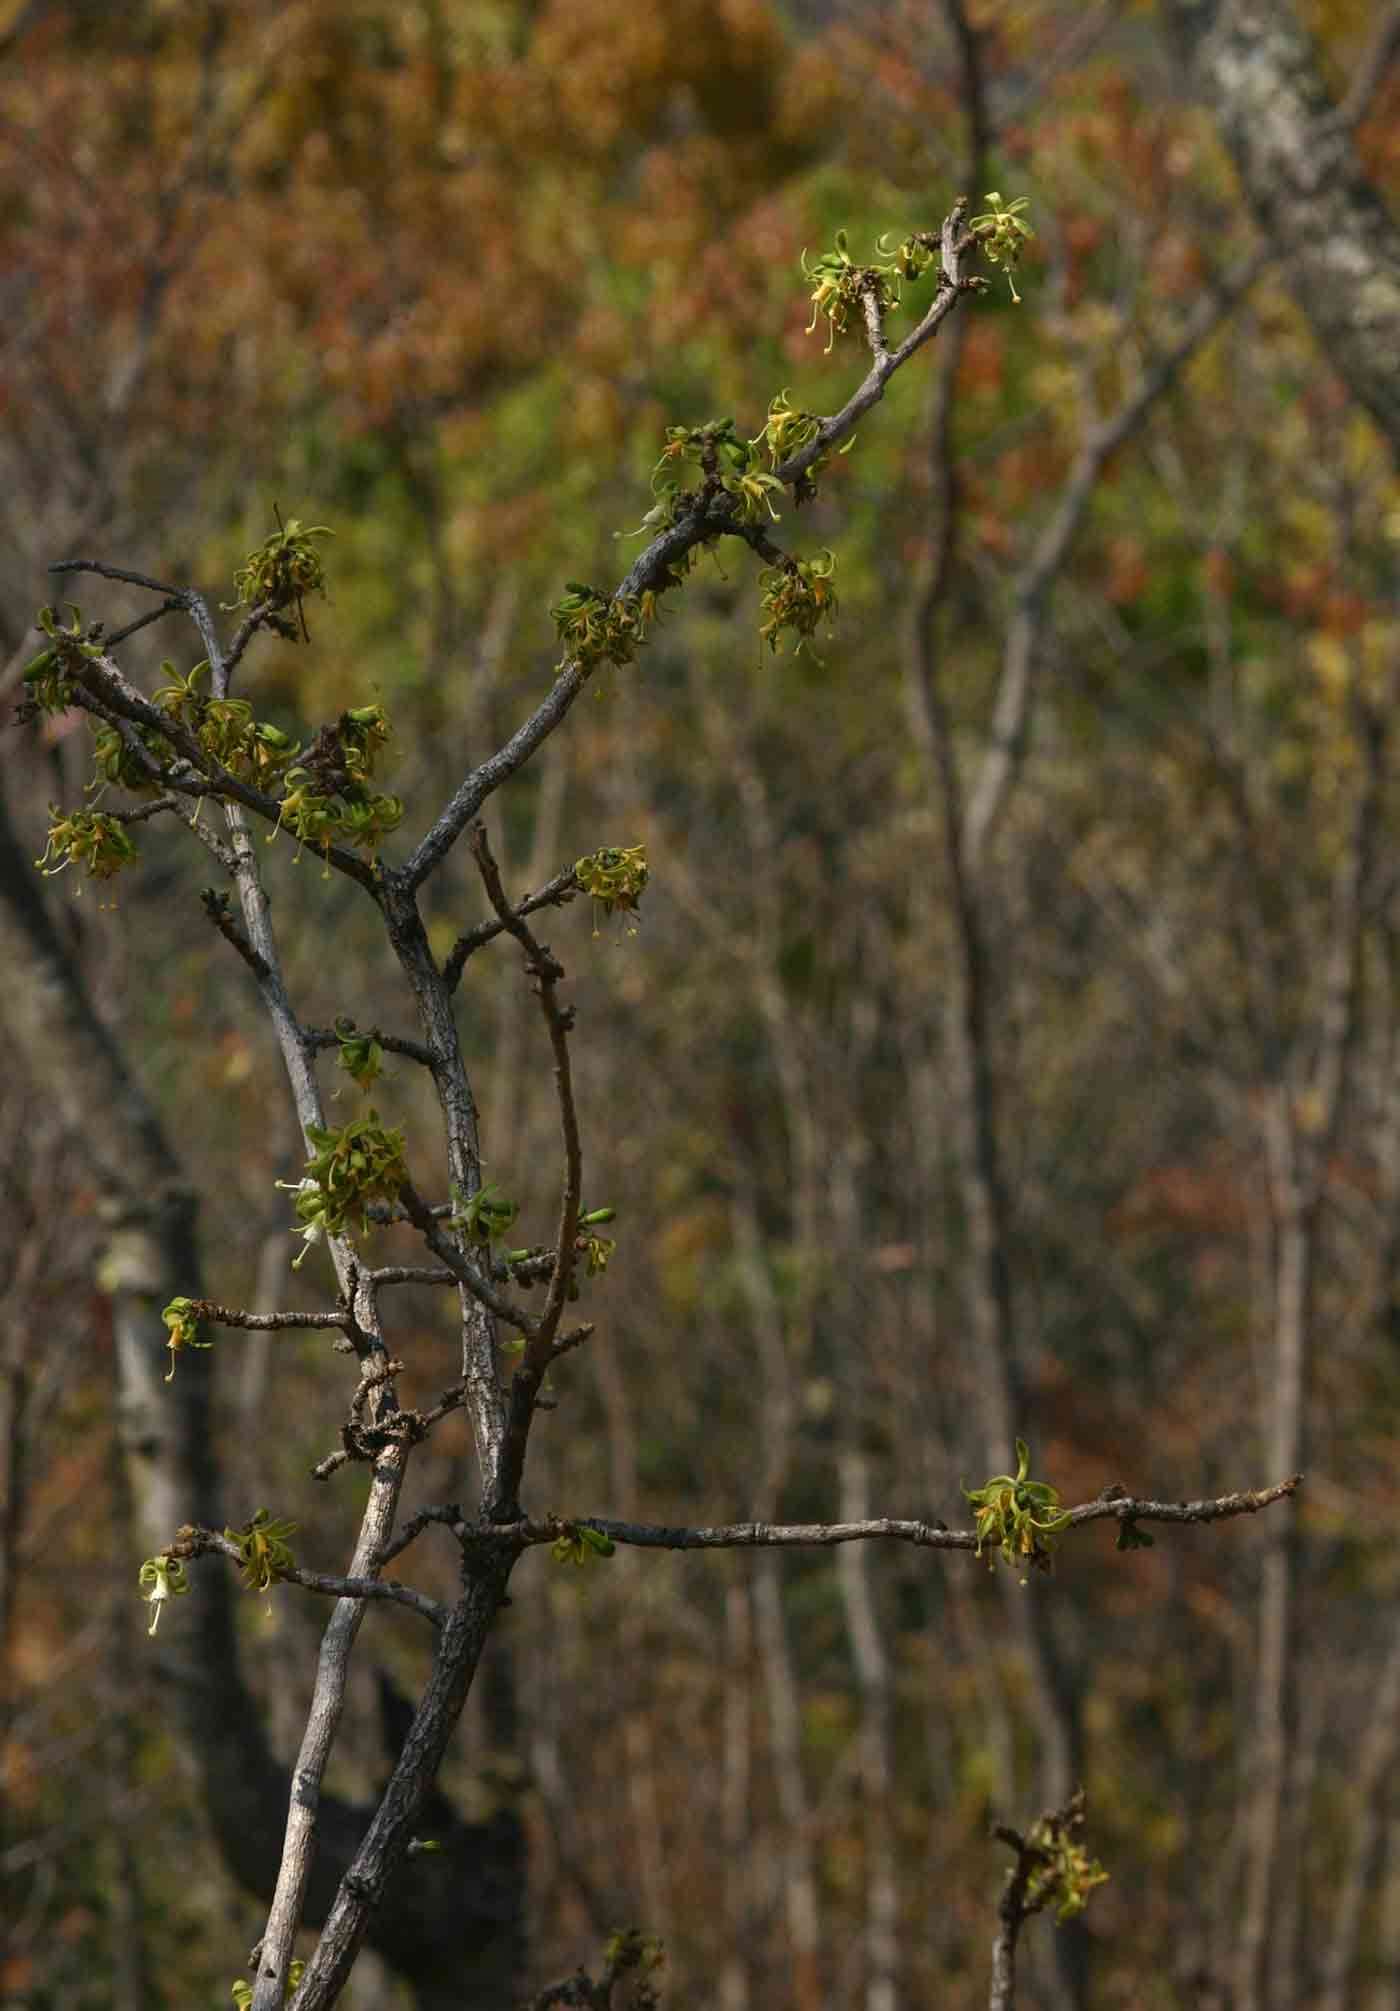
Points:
point(232, 1316)
point(319, 1038)
point(195, 1542)
point(931, 1535)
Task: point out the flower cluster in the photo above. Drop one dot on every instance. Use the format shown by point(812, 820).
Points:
point(614, 876)
point(352, 1167)
point(596, 628)
point(797, 595)
point(839, 285)
point(283, 568)
point(263, 1552)
point(1003, 231)
point(328, 795)
point(225, 728)
point(1065, 1874)
point(1020, 1516)
point(87, 838)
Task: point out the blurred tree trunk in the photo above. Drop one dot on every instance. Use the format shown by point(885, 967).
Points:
point(1257, 69)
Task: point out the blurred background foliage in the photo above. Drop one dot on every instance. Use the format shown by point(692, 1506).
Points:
point(439, 275)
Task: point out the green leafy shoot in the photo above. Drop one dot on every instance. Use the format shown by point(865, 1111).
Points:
point(1018, 1516)
point(580, 1543)
point(483, 1216)
point(359, 1054)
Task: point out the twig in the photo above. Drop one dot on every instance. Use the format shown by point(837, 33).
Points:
point(563, 887)
point(931, 1535)
point(194, 1542)
point(546, 971)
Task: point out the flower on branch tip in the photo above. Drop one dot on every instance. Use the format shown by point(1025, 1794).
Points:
point(183, 1322)
point(243, 1991)
point(284, 567)
point(1020, 1516)
point(161, 1578)
point(483, 1216)
point(614, 877)
point(797, 595)
point(579, 1543)
point(87, 838)
point(1066, 1874)
point(263, 1552)
point(1003, 231)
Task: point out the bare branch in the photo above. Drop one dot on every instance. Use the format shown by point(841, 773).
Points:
point(563, 887)
point(884, 1528)
point(194, 1542)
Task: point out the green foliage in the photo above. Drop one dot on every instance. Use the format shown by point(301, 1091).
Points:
point(185, 1330)
point(1020, 1516)
point(263, 1552)
point(161, 1578)
point(580, 1543)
